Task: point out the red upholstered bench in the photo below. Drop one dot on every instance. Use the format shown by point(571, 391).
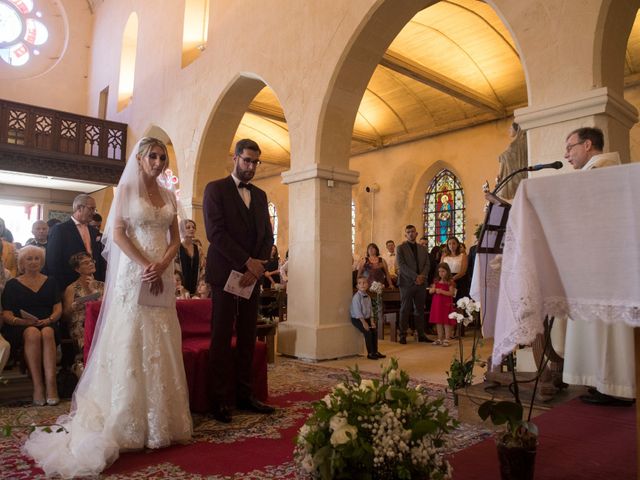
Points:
point(195, 322)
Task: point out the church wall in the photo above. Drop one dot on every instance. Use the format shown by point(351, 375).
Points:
point(50, 199)
point(64, 87)
point(404, 172)
point(632, 95)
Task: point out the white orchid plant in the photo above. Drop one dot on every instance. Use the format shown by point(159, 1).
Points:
point(375, 429)
point(466, 310)
point(460, 372)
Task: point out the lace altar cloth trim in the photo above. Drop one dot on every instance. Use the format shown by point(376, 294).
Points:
point(582, 310)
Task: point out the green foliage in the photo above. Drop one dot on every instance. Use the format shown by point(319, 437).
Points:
point(375, 429)
point(518, 433)
point(8, 430)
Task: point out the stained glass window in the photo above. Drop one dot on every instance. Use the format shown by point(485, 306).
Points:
point(273, 215)
point(443, 209)
point(21, 31)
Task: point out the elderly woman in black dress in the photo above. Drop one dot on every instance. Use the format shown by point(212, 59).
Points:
point(32, 308)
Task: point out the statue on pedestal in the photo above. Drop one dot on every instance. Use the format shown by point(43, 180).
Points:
point(513, 158)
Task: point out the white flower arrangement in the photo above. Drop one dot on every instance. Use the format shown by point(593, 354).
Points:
point(377, 288)
point(379, 429)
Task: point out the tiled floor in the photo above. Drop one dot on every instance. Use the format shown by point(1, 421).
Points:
point(423, 361)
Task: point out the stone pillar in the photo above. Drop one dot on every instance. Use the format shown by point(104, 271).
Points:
point(548, 125)
point(319, 289)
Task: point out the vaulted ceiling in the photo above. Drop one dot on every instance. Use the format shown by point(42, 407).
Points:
point(452, 66)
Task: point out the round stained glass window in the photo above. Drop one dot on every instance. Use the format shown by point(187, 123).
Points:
point(32, 37)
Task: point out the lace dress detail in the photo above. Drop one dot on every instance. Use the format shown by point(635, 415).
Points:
point(137, 396)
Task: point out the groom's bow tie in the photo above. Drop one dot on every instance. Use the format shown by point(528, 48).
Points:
point(244, 185)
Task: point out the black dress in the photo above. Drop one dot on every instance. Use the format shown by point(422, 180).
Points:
point(16, 297)
point(270, 266)
point(190, 268)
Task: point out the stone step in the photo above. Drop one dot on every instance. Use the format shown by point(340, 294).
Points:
point(15, 386)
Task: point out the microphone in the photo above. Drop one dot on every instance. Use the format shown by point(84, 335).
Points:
point(541, 166)
point(533, 168)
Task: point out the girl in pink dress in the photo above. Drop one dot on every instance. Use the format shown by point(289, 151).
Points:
point(443, 290)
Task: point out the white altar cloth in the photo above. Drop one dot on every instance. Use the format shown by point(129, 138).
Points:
point(572, 249)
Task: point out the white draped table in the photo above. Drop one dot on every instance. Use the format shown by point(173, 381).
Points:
point(572, 249)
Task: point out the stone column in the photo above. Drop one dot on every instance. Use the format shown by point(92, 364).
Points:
point(548, 125)
point(319, 289)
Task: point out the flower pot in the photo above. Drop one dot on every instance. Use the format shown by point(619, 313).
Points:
point(516, 463)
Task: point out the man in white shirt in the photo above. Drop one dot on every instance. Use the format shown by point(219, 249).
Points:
point(390, 257)
point(597, 355)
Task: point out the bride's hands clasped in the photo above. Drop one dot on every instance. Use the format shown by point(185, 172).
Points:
point(152, 274)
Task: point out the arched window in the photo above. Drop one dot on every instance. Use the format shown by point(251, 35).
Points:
point(443, 209)
point(273, 215)
point(195, 30)
point(128, 61)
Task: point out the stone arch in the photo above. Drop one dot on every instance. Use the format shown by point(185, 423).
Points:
point(221, 126)
point(379, 27)
point(612, 34)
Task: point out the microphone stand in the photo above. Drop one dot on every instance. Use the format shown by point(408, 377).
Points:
point(507, 178)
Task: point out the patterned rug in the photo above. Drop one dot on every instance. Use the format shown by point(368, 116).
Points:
point(252, 447)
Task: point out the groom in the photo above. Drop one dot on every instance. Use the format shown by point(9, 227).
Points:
point(240, 238)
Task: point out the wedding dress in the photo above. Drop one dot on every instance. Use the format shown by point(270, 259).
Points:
point(137, 393)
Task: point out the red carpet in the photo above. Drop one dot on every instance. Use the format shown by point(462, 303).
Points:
point(577, 442)
point(253, 447)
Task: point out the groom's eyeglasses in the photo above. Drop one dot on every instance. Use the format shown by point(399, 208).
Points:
point(248, 161)
point(155, 156)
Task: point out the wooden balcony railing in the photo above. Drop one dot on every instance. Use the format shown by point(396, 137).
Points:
point(50, 142)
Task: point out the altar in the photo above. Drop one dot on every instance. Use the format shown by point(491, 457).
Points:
point(572, 250)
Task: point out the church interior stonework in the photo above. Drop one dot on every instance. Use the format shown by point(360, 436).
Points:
point(365, 111)
point(341, 96)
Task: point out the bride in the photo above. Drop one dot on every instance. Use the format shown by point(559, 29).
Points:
point(133, 392)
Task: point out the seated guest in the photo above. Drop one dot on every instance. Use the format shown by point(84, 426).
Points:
point(76, 295)
point(40, 232)
point(32, 309)
point(374, 268)
point(5, 233)
point(189, 261)
point(5, 348)
point(8, 254)
point(204, 290)
point(181, 292)
point(272, 269)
